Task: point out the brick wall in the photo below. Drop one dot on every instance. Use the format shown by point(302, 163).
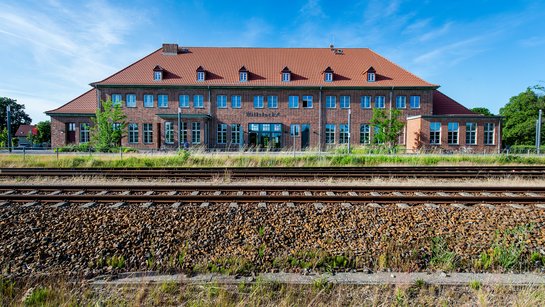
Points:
point(58, 129)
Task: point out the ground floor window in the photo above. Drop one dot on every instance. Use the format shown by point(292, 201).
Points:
point(147, 133)
point(471, 133)
point(196, 133)
point(133, 133)
point(236, 133)
point(435, 133)
point(330, 134)
point(183, 131)
point(222, 134)
point(365, 134)
point(489, 133)
point(452, 137)
point(84, 133)
point(169, 133)
point(343, 133)
point(265, 135)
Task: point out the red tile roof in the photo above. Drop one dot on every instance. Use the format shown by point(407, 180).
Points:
point(265, 65)
point(23, 130)
point(443, 105)
point(84, 104)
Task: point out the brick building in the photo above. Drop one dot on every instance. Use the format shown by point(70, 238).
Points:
point(228, 98)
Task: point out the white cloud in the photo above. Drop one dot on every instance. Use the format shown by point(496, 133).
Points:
point(312, 8)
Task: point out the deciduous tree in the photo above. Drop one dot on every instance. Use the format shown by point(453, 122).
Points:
point(388, 126)
point(482, 111)
point(18, 115)
point(520, 115)
point(110, 125)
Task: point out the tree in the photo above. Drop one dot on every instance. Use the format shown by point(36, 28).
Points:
point(110, 125)
point(520, 115)
point(18, 115)
point(44, 131)
point(482, 111)
point(388, 126)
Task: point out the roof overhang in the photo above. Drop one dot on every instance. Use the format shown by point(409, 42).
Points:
point(183, 115)
point(70, 114)
point(261, 87)
point(476, 116)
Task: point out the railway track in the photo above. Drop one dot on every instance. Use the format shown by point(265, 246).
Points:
point(178, 195)
point(287, 172)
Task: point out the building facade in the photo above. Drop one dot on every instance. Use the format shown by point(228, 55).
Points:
point(277, 98)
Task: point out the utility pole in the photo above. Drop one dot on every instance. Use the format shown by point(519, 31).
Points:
point(179, 128)
point(8, 112)
point(349, 138)
point(538, 132)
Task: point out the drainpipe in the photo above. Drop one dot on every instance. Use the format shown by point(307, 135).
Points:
point(499, 136)
point(209, 114)
point(390, 111)
point(320, 121)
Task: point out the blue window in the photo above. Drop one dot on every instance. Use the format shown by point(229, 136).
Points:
point(365, 102)
point(157, 75)
point(331, 102)
point(329, 133)
point(200, 76)
point(184, 101)
point(198, 101)
point(272, 102)
point(221, 101)
point(258, 102)
point(415, 102)
point(148, 101)
point(162, 101)
point(371, 77)
point(328, 77)
point(379, 102)
point(343, 133)
point(401, 102)
point(293, 102)
point(131, 101)
point(243, 76)
point(116, 99)
point(344, 102)
point(286, 76)
point(307, 102)
point(236, 102)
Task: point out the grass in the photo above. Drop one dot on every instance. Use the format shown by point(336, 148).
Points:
point(283, 159)
point(441, 257)
point(116, 262)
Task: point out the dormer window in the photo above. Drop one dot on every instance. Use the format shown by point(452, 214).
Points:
point(158, 73)
point(243, 74)
point(328, 75)
point(371, 74)
point(286, 74)
point(201, 74)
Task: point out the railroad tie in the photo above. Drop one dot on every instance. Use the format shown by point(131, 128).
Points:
point(420, 194)
point(532, 194)
point(290, 205)
point(31, 192)
point(308, 193)
point(374, 205)
point(509, 194)
point(240, 193)
point(4, 203)
point(88, 205)
point(376, 194)
point(8, 192)
point(149, 193)
point(103, 192)
point(176, 205)
point(352, 193)
point(330, 193)
point(262, 205)
point(489, 206)
point(487, 194)
point(216, 193)
point(465, 194)
point(148, 204)
point(263, 193)
point(57, 192)
point(79, 192)
point(195, 193)
point(318, 206)
point(285, 193)
point(402, 205)
point(61, 204)
point(346, 205)
point(517, 206)
point(442, 194)
point(118, 205)
point(172, 193)
point(31, 204)
point(399, 194)
point(541, 206)
point(431, 206)
point(233, 205)
point(204, 205)
point(459, 206)
point(126, 192)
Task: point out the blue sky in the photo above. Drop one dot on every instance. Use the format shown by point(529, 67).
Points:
point(481, 52)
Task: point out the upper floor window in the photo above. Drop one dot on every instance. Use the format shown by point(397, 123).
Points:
point(293, 102)
point(331, 102)
point(307, 101)
point(157, 75)
point(286, 76)
point(415, 102)
point(272, 102)
point(221, 101)
point(116, 99)
point(258, 102)
point(198, 101)
point(243, 76)
point(328, 77)
point(200, 75)
point(162, 101)
point(344, 102)
point(131, 101)
point(148, 101)
point(371, 77)
point(365, 102)
point(380, 102)
point(184, 101)
point(236, 102)
point(401, 102)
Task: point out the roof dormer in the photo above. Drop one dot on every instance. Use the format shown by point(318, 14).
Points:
point(286, 74)
point(371, 74)
point(158, 73)
point(328, 74)
point(201, 73)
point(243, 74)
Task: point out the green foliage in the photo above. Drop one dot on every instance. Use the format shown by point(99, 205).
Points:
point(116, 262)
point(475, 285)
point(321, 284)
point(38, 297)
point(109, 126)
point(389, 126)
point(441, 257)
point(506, 251)
point(482, 111)
point(520, 115)
point(537, 259)
point(4, 137)
point(7, 289)
point(18, 115)
point(44, 131)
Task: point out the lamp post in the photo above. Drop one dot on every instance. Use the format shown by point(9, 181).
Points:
point(349, 138)
point(179, 128)
point(538, 132)
point(8, 113)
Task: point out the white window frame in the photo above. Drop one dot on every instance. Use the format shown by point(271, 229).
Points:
point(286, 77)
point(295, 130)
point(331, 102)
point(343, 134)
point(243, 76)
point(130, 100)
point(198, 101)
point(200, 76)
point(330, 130)
point(133, 133)
point(293, 102)
point(344, 102)
point(221, 101)
point(259, 102)
point(365, 102)
point(236, 133)
point(147, 133)
point(401, 102)
point(162, 101)
point(221, 134)
point(236, 101)
point(272, 102)
point(434, 129)
point(148, 98)
point(116, 99)
point(328, 77)
point(84, 132)
point(365, 134)
point(471, 134)
point(491, 133)
point(451, 133)
point(195, 133)
point(308, 100)
point(380, 102)
point(183, 102)
point(157, 75)
point(414, 102)
point(169, 133)
point(371, 77)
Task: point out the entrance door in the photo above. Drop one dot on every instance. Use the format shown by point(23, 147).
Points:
point(252, 139)
point(265, 135)
point(305, 136)
point(70, 133)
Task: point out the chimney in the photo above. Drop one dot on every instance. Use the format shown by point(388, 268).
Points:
point(170, 49)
